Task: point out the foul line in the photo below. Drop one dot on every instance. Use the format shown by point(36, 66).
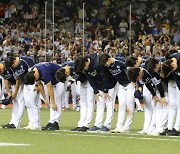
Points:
point(13, 144)
point(108, 136)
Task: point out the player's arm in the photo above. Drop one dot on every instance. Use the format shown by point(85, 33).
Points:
point(18, 82)
point(7, 87)
point(105, 73)
point(93, 84)
point(51, 95)
point(151, 89)
point(157, 82)
point(41, 89)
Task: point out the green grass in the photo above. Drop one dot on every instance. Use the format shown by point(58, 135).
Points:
point(67, 142)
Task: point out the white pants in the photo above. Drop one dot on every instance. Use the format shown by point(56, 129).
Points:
point(174, 106)
point(149, 111)
point(58, 93)
point(87, 99)
point(31, 99)
point(17, 109)
point(2, 91)
point(126, 99)
point(101, 103)
point(161, 114)
point(138, 104)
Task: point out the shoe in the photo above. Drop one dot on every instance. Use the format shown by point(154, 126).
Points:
point(9, 126)
point(173, 132)
point(142, 132)
point(33, 128)
point(12, 126)
point(76, 129)
point(54, 126)
point(94, 129)
point(3, 106)
point(104, 129)
point(115, 110)
point(5, 126)
point(164, 132)
point(48, 125)
point(154, 133)
point(83, 129)
point(27, 127)
point(115, 130)
point(140, 110)
point(78, 108)
point(123, 131)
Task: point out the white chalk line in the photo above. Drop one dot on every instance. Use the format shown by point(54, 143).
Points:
point(13, 144)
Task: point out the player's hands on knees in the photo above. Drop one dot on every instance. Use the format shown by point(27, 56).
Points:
point(14, 95)
point(9, 94)
point(97, 96)
point(36, 89)
point(106, 96)
point(163, 101)
point(46, 102)
point(54, 106)
point(156, 99)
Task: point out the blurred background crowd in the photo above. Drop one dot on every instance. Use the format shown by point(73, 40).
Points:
point(155, 28)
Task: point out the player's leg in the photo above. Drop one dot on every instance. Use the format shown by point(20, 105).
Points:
point(66, 100)
point(122, 93)
point(55, 115)
point(74, 95)
point(172, 104)
point(83, 104)
point(139, 107)
point(109, 110)
point(90, 99)
point(130, 107)
point(155, 126)
point(31, 102)
point(19, 105)
point(100, 110)
point(147, 110)
point(177, 123)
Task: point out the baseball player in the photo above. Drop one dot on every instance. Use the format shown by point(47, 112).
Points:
point(87, 96)
point(125, 92)
point(2, 90)
point(20, 66)
point(18, 104)
point(160, 111)
point(136, 62)
point(46, 72)
point(171, 68)
point(103, 89)
point(144, 77)
point(149, 124)
point(71, 88)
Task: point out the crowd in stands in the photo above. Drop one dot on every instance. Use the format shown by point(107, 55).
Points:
point(155, 28)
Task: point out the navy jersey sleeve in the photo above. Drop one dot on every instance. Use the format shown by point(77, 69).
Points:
point(92, 72)
point(156, 80)
point(93, 84)
point(177, 80)
point(105, 74)
point(151, 89)
point(82, 78)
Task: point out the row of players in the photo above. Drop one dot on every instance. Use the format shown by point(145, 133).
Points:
point(102, 77)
